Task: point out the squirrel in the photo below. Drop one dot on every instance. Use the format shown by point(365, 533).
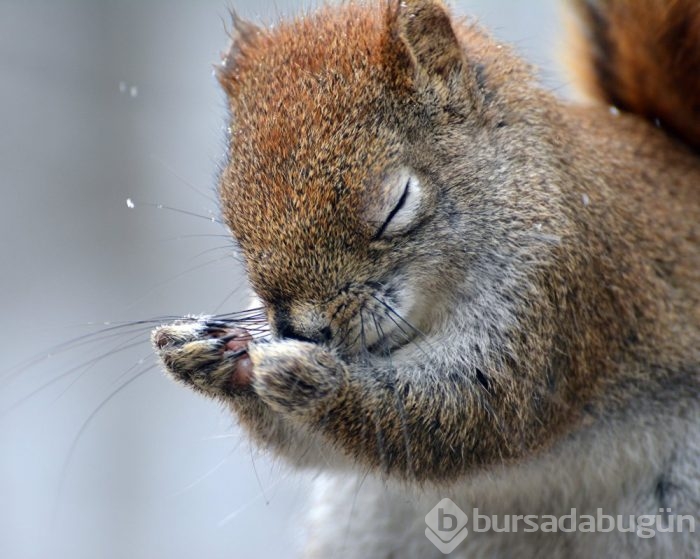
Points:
point(474, 289)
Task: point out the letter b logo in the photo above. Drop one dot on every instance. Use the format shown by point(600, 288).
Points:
point(446, 526)
point(446, 522)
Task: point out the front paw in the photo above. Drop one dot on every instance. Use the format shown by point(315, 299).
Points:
point(206, 355)
point(295, 377)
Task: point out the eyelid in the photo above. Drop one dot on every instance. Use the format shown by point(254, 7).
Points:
point(395, 210)
point(403, 198)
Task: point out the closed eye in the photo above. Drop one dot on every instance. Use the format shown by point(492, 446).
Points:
point(397, 208)
point(405, 189)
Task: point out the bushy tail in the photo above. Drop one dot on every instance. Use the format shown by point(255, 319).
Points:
point(643, 56)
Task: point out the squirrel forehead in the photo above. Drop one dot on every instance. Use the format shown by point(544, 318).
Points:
point(348, 39)
point(309, 79)
point(311, 127)
point(305, 190)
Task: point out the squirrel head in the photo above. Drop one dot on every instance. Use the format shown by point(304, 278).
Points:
point(354, 134)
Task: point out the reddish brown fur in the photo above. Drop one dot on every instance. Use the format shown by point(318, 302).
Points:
point(314, 103)
point(643, 56)
point(291, 90)
point(277, 77)
point(553, 265)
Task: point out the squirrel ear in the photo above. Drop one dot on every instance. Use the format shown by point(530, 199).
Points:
point(425, 29)
point(243, 32)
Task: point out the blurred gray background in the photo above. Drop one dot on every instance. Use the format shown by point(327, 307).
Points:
point(101, 101)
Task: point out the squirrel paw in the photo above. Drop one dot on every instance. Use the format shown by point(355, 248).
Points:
point(294, 377)
point(205, 355)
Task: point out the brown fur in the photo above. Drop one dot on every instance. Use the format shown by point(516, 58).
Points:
point(555, 251)
point(643, 56)
point(306, 95)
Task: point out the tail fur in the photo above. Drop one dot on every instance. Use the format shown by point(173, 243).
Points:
point(643, 56)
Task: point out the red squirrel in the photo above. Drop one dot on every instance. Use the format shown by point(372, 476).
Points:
point(474, 289)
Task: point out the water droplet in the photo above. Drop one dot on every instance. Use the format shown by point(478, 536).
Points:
point(130, 204)
point(122, 87)
point(159, 206)
point(585, 199)
point(614, 110)
point(133, 91)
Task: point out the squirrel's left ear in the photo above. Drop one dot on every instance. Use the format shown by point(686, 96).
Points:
point(243, 33)
point(424, 28)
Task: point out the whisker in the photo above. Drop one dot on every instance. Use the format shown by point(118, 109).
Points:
point(392, 312)
point(251, 319)
point(254, 313)
point(228, 298)
point(138, 363)
point(112, 329)
point(407, 336)
point(229, 517)
point(387, 354)
point(254, 321)
point(212, 250)
point(204, 476)
point(353, 505)
point(343, 333)
point(211, 218)
point(209, 198)
point(135, 330)
point(380, 335)
point(399, 404)
point(257, 476)
point(83, 429)
point(363, 338)
point(85, 365)
point(171, 279)
point(201, 236)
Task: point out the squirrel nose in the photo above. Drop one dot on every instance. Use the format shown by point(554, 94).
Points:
point(285, 329)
